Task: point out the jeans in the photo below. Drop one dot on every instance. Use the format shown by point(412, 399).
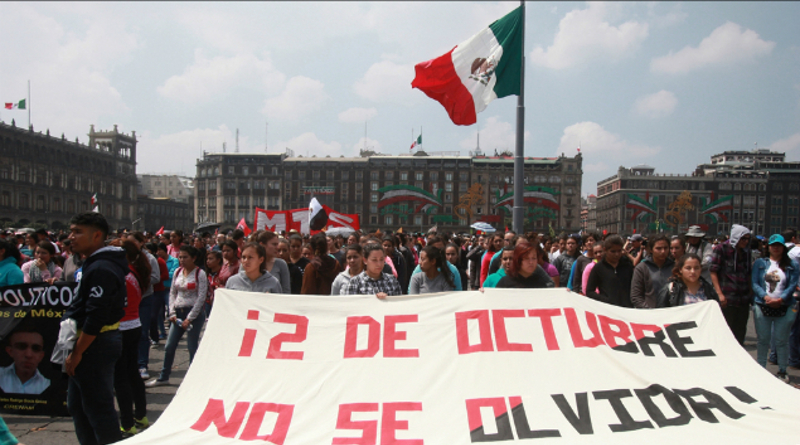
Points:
point(157, 317)
point(736, 317)
point(175, 334)
point(794, 344)
point(90, 393)
point(145, 310)
point(766, 327)
point(128, 384)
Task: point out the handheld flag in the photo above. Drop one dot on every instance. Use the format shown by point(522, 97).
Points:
point(317, 216)
point(475, 72)
point(94, 199)
point(243, 225)
point(160, 231)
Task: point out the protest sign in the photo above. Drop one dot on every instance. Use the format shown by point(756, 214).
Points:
point(508, 365)
point(297, 219)
point(29, 322)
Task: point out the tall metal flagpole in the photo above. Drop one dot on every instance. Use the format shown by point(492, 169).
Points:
point(519, 155)
point(29, 104)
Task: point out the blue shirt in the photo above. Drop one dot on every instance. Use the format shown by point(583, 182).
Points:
point(11, 384)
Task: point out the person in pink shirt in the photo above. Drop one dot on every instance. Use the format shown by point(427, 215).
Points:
point(175, 242)
point(597, 249)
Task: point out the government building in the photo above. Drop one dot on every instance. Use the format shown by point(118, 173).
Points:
point(758, 189)
point(45, 180)
point(389, 192)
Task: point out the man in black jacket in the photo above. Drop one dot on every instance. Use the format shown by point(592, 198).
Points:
point(474, 257)
point(97, 307)
point(610, 279)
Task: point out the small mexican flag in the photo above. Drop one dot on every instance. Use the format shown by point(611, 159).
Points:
point(18, 105)
point(416, 143)
point(476, 72)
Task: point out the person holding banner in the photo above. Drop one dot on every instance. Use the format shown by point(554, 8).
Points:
point(253, 275)
point(687, 285)
point(435, 277)
point(276, 266)
point(505, 263)
point(42, 269)
point(10, 273)
point(374, 281)
point(354, 257)
point(610, 279)
point(774, 282)
point(522, 270)
point(186, 300)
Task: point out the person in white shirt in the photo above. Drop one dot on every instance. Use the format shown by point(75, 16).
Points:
point(26, 347)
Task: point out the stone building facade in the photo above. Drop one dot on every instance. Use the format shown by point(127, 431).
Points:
point(388, 192)
point(758, 189)
point(46, 180)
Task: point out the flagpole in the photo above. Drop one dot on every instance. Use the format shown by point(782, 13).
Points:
point(29, 103)
point(519, 156)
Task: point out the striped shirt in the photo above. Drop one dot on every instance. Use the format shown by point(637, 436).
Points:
point(362, 284)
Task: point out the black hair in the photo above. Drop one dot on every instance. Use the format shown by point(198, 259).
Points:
point(356, 247)
point(191, 250)
point(656, 239)
point(458, 249)
point(162, 246)
point(152, 248)
point(319, 244)
point(91, 219)
point(237, 234)
point(439, 257)
point(139, 263)
point(371, 247)
point(48, 246)
point(230, 243)
point(789, 234)
point(679, 262)
point(613, 240)
point(10, 250)
point(261, 252)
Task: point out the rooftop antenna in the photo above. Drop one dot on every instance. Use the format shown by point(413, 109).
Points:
point(365, 135)
point(237, 141)
point(266, 141)
point(224, 149)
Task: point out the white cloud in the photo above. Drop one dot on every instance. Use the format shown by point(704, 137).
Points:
point(726, 45)
point(495, 135)
point(301, 97)
point(69, 71)
point(585, 35)
point(371, 144)
point(186, 145)
point(787, 145)
point(308, 144)
point(656, 105)
point(595, 168)
point(595, 141)
point(357, 115)
point(671, 18)
point(387, 81)
point(211, 78)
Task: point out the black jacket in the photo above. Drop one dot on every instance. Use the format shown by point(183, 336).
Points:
point(674, 293)
point(614, 283)
point(538, 280)
point(474, 255)
point(101, 295)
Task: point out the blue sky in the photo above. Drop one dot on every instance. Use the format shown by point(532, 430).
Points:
point(667, 84)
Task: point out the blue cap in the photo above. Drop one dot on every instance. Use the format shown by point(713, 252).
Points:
point(760, 238)
point(777, 239)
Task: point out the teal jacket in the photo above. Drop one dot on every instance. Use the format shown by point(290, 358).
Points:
point(760, 286)
point(493, 279)
point(172, 266)
point(10, 273)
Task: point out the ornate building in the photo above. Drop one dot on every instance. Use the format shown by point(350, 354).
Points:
point(757, 189)
point(46, 180)
point(388, 192)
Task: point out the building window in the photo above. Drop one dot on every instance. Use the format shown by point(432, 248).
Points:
point(315, 174)
point(434, 176)
point(418, 176)
point(374, 175)
point(374, 186)
point(231, 170)
point(389, 175)
point(373, 208)
point(345, 176)
point(359, 175)
point(245, 170)
point(301, 175)
point(329, 174)
point(448, 176)
point(260, 170)
point(388, 220)
point(374, 197)
point(448, 186)
point(287, 174)
point(373, 219)
point(462, 187)
point(404, 176)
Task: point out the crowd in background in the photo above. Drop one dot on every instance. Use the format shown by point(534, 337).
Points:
point(172, 279)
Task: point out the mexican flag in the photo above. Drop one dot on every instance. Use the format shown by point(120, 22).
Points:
point(16, 105)
point(416, 143)
point(476, 72)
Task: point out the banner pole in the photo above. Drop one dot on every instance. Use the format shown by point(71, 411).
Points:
point(519, 155)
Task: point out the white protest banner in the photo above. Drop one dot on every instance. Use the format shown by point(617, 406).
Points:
point(513, 366)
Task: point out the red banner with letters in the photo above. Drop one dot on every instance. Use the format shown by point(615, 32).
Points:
point(297, 219)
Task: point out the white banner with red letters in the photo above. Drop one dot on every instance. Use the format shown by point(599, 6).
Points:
point(511, 366)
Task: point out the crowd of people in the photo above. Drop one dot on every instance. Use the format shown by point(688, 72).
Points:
point(158, 287)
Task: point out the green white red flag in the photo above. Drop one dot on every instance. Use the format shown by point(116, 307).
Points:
point(15, 105)
point(477, 71)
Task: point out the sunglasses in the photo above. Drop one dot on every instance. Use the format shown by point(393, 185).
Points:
point(21, 346)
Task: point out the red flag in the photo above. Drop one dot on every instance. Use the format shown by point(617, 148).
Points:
point(243, 225)
point(160, 231)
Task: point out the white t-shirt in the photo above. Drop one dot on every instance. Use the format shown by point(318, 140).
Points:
point(774, 280)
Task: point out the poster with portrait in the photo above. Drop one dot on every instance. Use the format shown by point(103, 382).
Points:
point(30, 315)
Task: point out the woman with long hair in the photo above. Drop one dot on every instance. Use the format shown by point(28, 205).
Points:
point(521, 273)
point(453, 254)
point(253, 275)
point(275, 265)
point(495, 245)
point(435, 276)
point(322, 270)
point(354, 258)
point(775, 280)
point(213, 266)
point(186, 299)
point(10, 273)
point(175, 242)
point(544, 263)
point(42, 269)
point(128, 383)
point(686, 286)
